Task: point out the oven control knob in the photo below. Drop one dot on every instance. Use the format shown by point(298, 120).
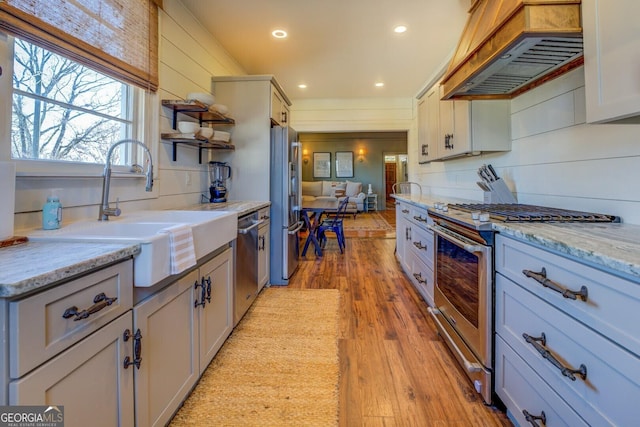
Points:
point(477, 384)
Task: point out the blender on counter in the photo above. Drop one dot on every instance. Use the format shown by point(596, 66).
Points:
point(219, 173)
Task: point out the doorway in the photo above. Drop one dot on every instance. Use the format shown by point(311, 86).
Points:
point(395, 170)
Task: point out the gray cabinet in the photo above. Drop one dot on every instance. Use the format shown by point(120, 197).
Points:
point(88, 379)
point(167, 322)
point(414, 247)
point(182, 327)
point(279, 107)
point(215, 311)
point(576, 360)
point(611, 60)
point(403, 234)
point(454, 128)
point(68, 345)
point(264, 257)
point(250, 99)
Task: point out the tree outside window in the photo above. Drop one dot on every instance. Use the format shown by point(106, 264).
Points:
point(63, 110)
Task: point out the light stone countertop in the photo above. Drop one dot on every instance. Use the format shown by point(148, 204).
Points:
point(613, 247)
point(36, 265)
point(240, 207)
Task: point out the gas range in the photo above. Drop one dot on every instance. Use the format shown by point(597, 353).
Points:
point(479, 216)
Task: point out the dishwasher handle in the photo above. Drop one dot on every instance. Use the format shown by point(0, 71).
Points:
point(298, 227)
point(251, 227)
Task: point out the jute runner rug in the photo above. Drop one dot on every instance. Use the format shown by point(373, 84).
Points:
point(279, 367)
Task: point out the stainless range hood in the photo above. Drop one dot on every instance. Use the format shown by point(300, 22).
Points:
point(511, 46)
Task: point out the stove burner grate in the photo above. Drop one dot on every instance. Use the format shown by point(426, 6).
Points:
point(530, 213)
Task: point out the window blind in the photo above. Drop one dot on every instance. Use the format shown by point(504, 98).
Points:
point(116, 37)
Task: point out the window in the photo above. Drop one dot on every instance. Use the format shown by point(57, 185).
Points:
point(65, 111)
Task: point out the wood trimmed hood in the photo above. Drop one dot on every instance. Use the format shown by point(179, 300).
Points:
point(511, 46)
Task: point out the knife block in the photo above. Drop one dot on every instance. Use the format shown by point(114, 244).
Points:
point(499, 193)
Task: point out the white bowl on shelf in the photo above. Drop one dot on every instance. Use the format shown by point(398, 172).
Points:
point(219, 108)
point(206, 98)
point(206, 132)
point(188, 127)
point(220, 135)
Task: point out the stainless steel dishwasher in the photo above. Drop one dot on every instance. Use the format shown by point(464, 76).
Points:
point(247, 247)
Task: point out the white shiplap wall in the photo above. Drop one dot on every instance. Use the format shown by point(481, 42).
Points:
point(556, 158)
point(189, 57)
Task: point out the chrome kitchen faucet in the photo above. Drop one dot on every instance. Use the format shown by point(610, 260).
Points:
point(105, 210)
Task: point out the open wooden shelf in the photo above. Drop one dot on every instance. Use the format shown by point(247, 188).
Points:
point(201, 143)
point(200, 111)
point(196, 109)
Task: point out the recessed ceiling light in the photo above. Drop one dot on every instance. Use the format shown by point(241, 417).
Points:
point(279, 34)
point(379, 84)
point(302, 86)
point(400, 29)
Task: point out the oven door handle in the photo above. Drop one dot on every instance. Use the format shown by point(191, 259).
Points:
point(467, 245)
point(468, 366)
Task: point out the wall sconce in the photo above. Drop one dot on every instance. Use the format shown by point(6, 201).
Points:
point(361, 155)
point(305, 156)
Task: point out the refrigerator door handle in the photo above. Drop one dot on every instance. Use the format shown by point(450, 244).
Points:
point(298, 227)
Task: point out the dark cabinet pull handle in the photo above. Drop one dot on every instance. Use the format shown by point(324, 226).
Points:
point(261, 243)
point(137, 349)
point(202, 294)
point(546, 354)
point(419, 245)
point(532, 419)
point(208, 282)
point(100, 301)
point(541, 278)
point(419, 278)
point(420, 219)
point(447, 141)
point(405, 211)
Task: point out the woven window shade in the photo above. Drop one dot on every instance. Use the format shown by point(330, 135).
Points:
point(116, 37)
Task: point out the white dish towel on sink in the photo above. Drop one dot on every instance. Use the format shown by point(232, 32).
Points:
point(183, 254)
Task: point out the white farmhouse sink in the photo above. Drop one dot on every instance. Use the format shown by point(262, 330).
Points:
point(210, 231)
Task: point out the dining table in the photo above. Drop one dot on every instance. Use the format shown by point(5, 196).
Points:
point(317, 208)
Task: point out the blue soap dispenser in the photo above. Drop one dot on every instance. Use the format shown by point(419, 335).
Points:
point(52, 213)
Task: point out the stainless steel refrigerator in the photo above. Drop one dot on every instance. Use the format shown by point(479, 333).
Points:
point(286, 199)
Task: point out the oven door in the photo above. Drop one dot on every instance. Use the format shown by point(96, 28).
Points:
point(463, 300)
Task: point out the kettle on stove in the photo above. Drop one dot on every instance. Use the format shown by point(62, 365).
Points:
point(219, 173)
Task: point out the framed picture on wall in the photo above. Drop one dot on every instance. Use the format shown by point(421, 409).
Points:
point(344, 164)
point(322, 165)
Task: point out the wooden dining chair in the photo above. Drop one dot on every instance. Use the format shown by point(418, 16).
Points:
point(335, 225)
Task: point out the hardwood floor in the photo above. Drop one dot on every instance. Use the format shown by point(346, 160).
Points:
point(395, 371)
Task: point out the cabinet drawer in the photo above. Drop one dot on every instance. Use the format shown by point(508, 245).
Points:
point(419, 217)
point(403, 210)
point(38, 329)
point(422, 245)
point(612, 374)
point(522, 390)
point(89, 380)
point(422, 278)
point(613, 304)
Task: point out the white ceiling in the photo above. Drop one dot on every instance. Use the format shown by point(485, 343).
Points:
point(338, 48)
